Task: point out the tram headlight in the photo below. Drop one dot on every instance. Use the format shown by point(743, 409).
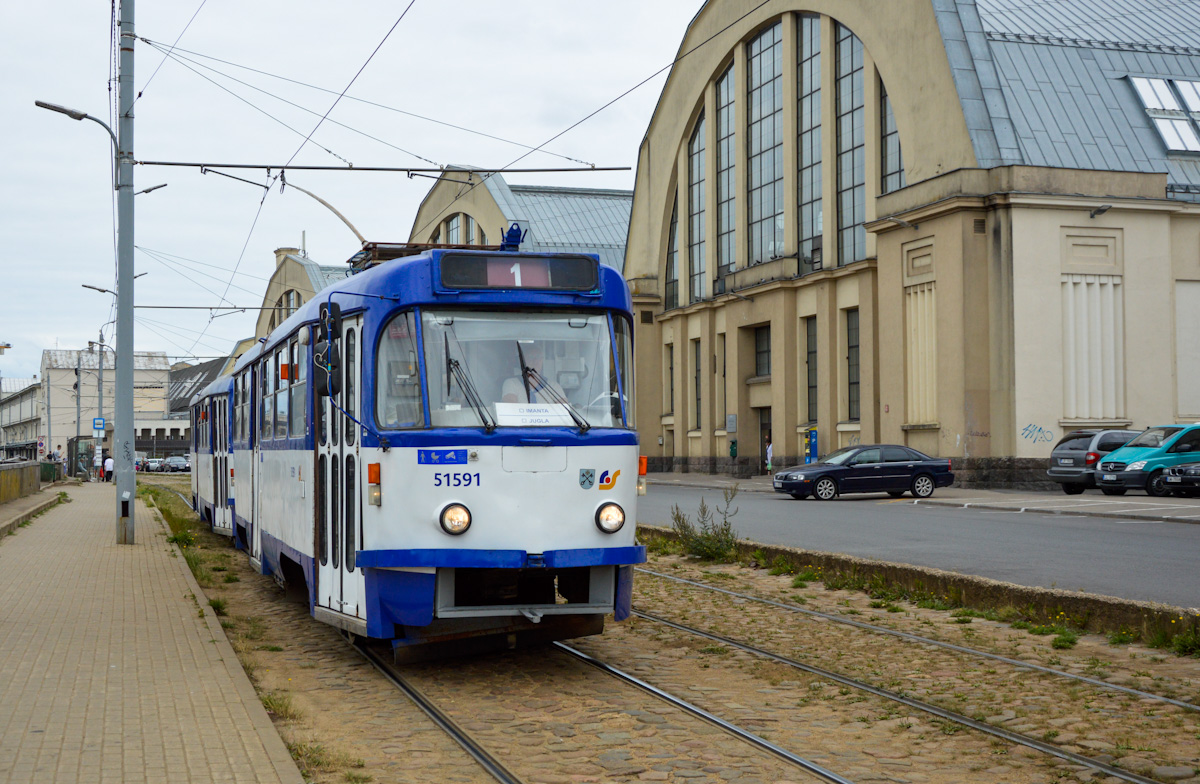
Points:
point(610, 518)
point(455, 519)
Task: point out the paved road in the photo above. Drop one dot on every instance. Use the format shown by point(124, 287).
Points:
point(1132, 559)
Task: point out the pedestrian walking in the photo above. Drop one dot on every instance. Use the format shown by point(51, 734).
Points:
point(769, 455)
point(109, 465)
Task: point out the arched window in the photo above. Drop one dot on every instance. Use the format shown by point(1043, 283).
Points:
point(726, 183)
point(808, 60)
point(696, 226)
point(851, 149)
point(891, 164)
point(671, 289)
point(764, 150)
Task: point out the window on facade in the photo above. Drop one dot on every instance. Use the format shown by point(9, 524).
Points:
point(696, 365)
point(482, 236)
point(809, 121)
point(696, 211)
point(719, 372)
point(452, 230)
point(891, 164)
point(468, 230)
point(1175, 125)
point(764, 151)
point(851, 140)
point(670, 385)
point(810, 362)
point(762, 351)
point(852, 389)
point(726, 184)
point(671, 287)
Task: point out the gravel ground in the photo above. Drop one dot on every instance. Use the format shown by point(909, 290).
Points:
point(553, 719)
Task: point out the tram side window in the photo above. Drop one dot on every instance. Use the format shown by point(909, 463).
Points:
point(283, 371)
point(350, 395)
point(299, 378)
point(623, 344)
point(267, 419)
point(237, 409)
point(398, 377)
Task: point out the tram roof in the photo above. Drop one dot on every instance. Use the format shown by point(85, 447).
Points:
point(409, 281)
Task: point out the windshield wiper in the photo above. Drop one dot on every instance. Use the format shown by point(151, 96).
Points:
point(464, 383)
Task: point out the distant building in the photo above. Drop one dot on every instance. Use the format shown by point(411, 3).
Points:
point(472, 209)
point(296, 280)
point(968, 226)
point(20, 417)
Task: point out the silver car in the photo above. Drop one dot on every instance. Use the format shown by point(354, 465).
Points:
point(1074, 459)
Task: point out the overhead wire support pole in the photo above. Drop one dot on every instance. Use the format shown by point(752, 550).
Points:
point(123, 413)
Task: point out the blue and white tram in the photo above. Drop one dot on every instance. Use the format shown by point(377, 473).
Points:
point(440, 447)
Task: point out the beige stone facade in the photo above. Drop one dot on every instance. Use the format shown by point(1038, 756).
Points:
point(964, 308)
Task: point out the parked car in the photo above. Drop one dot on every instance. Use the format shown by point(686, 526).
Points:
point(1074, 458)
point(176, 463)
point(153, 464)
point(873, 468)
point(1141, 464)
point(1184, 479)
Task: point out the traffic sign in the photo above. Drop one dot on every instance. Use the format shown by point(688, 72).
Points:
point(98, 423)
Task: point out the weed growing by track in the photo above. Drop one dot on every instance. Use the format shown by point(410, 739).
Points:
point(708, 539)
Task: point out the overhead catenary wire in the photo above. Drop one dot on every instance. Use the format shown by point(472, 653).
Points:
point(138, 97)
point(438, 216)
point(375, 104)
point(266, 191)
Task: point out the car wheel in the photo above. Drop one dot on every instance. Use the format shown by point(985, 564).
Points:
point(1113, 490)
point(799, 496)
point(1156, 485)
point(895, 493)
point(825, 488)
point(922, 486)
point(1072, 489)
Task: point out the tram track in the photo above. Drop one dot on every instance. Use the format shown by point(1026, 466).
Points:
point(942, 713)
point(503, 773)
point(916, 638)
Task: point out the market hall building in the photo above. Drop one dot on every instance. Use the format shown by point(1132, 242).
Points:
point(967, 226)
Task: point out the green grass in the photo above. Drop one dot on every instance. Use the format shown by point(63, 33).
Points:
point(279, 705)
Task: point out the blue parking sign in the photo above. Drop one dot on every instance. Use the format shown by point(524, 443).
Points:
point(98, 423)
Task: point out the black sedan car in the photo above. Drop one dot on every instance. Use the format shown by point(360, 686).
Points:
point(1183, 479)
point(872, 468)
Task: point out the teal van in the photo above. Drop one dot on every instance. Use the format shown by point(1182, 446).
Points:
point(1140, 464)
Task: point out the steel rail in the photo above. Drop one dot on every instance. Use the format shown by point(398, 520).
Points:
point(733, 729)
point(485, 759)
point(928, 641)
point(958, 718)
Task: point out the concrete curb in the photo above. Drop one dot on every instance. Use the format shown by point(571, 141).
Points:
point(1071, 512)
point(8, 526)
point(276, 749)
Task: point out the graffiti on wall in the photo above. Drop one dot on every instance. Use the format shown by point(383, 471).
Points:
point(1037, 434)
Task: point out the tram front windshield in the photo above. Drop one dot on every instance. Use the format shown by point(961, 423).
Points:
point(539, 369)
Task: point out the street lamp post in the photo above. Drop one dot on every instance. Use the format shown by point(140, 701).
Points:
point(123, 143)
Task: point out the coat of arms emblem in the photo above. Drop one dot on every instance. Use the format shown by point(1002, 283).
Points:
point(587, 478)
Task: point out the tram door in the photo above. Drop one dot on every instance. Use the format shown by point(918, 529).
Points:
point(250, 423)
point(338, 478)
point(220, 463)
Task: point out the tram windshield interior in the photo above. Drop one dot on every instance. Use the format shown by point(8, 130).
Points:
point(473, 370)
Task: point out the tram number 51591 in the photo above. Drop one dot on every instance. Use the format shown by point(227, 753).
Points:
point(455, 479)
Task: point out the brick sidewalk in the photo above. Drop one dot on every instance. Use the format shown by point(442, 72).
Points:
point(108, 672)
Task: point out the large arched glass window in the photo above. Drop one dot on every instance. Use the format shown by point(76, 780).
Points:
point(808, 60)
point(726, 184)
point(891, 164)
point(671, 289)
point(764, 149)
point(452, 230)
point(696, 226)
point(851, 149)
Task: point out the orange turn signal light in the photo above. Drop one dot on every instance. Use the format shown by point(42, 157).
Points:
point(373, 473)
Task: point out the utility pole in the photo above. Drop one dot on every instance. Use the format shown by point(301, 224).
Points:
point(123, 433)
point(78, 382)
point(49, 417)
point(100, 386)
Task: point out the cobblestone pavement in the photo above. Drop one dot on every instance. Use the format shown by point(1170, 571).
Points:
point(109, 671)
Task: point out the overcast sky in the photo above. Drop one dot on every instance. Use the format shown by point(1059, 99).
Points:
point(523, 70)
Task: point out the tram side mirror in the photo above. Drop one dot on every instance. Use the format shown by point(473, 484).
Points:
point(327, 369)
point(329, 323)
